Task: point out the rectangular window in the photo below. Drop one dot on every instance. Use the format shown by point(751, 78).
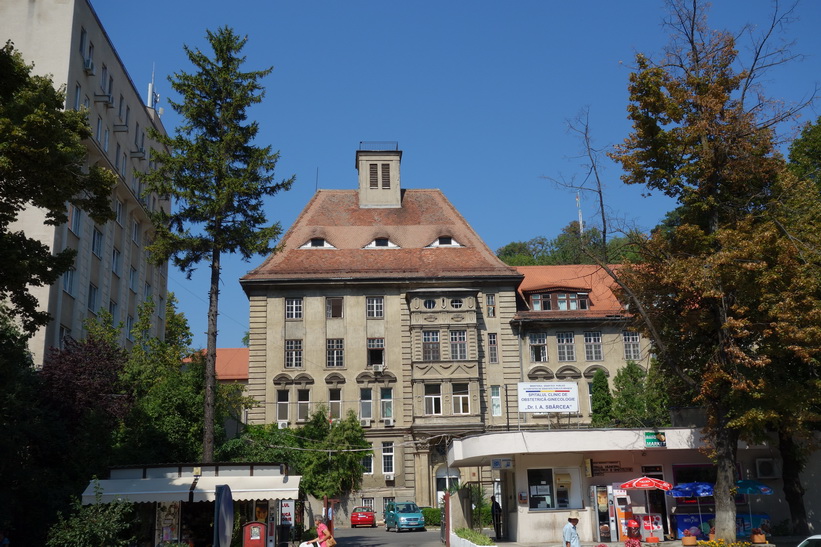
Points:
point(367, 468)
point(129, 326)
point(114, 310)
point(333, 307)
point(433, 399)
point(490, 303)
point(538, 347)
point(133, 279)
point(97, 243)
point(461, 399)
point(78, 96)
point(375, 306)
point(376, 351)
point(335, 403)
point(64, 333)
point(135, 232)
point(365, 403)
point(566, 343)
point(335, 352)
point(540, 302)
point(373, 175)
point(293, 353)
point(293, 308)
point(119, 212)
point(592, 346)
point(75, 217)
point(386, 176)
point(492, 348)
point(121, 107)
point(104, 78)
point(93, 298)
point(116, 261)
point(106, 137)
point(283, 402)
point(386, 501)
point(495, 400)
point(148, 292)
point(567, 302)
point(90, 56)
point(430, 345)
point(83, 41)
point(458, 345)
point(387, 457)
point(68, 282)
point(99, 133)
point(540, 486)
point(386, 394)
point(137, 136)
point(118, 152)
point(127, 114)
point(367, 502)
point(632, 347)
point(303, 404)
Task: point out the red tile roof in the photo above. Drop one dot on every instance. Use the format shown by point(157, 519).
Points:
point(570, 278)
point(335, 215)
point(232, 364)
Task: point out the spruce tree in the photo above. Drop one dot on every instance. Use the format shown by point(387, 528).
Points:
point(601, 401)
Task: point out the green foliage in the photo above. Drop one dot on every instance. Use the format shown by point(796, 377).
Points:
point(601, 401)
point(42, 164)
point(477, 538)
point(480, 514)
point(805, 153)
point(95, 525)
point(433, 516)
point(629, 402)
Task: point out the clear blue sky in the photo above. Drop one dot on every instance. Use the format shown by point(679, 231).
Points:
point(476, 92)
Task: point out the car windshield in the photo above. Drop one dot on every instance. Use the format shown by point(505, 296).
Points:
point(407, 508)
point(811, 542)
point(362, 510)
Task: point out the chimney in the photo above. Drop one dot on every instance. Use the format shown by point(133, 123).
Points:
point(378, 166)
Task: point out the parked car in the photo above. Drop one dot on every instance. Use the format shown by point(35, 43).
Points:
point(403, 515)
point(812, 541)
point(363, 516)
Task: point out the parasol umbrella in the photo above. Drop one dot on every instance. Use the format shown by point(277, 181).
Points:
point(748, 486)
point(692, 490)
point(646, 483)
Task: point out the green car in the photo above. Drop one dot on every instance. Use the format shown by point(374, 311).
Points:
point(403, 515)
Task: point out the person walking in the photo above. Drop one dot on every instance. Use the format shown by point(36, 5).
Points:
point(496, 515)
point(569, 533)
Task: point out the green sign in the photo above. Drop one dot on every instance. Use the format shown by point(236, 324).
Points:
point(655, 439)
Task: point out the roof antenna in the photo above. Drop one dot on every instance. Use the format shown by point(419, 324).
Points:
point(581, 222)
point(153, 98)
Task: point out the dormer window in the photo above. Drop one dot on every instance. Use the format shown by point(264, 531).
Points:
point(317, 243)
point(381, 243)
point(445, 241)
point(559, 301)
point(540, 302)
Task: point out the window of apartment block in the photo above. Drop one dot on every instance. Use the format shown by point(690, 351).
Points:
point(75, 217)
point(375, 306)
point(106, 138)
point(119, 211)
point(64, 334)
point(538, 347)
point(98, 135)
point(133, 279)
point(293, 308)
point(161, 307)
point(387, 457)
point(333, 307)
point(386, 396)
point(293, 353)
point(68, 282)
point(385, 501)
point(127, 114)
point(148, 292)
point(433, 399)
point(90, 55)
point(97, 243)
point(121, 107)
point(376, 351)
point(335, 403)
point(456, 303)
point(430, 345)
point(590, 397)
point(592, 346)
point(367, 502)
point(458, 345)
point(129, 326)
point(93, 298)
point(367, 469)
point(335, 352)
point(114, 310)
point(116, 261)
point(78, 96)
point(83, 41)
point(632, 347)
point(495, 400)
point(429, 303)
point(283, 402)
point(461, 399)
point(118, 151)
point(566, 346)
point(540, 486)
point(104, 78)
point(137, 136)
point(490, 304)
point(136, 231)
point(303, 404)
point(566, 301)
point(492, 348)
point(365, 403)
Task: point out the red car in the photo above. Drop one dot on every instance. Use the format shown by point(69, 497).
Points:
point(363, 516)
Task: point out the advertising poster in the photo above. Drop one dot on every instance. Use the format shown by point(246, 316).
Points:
point(543, 397)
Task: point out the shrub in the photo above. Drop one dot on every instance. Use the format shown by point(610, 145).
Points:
point(473, 536)
point(433, 516)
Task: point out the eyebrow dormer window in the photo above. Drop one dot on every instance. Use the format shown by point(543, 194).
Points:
point(445, 241)
point(381, 243)
point(317, 243)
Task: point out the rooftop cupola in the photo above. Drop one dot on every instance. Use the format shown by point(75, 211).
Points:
point(378, 166)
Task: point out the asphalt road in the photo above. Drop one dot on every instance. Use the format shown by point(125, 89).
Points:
point(375, 537)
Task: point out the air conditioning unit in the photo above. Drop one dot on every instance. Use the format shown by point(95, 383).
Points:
point(390, 477)
point(378, 368)
point(88, 67)
point(765, 468)
point(282, 424)
point(365, 422)
point(388, 422)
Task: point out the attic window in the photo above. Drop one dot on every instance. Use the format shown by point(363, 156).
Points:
point(317, 243)
point(381, 243)
point(445, 241)
point(559, 301)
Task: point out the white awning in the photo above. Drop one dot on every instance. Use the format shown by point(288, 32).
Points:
point(258, 487)
point(139, 490)
point(249, 488)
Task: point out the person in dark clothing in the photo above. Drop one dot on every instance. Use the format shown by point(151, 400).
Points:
point(496, 515)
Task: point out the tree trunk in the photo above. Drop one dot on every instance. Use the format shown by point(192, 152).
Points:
point(725, 445)
point(791, 466)
point(211, 362)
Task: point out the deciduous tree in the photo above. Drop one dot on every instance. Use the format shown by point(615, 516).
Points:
point(217, 179)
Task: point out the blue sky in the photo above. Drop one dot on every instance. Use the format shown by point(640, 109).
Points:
point(477, 94)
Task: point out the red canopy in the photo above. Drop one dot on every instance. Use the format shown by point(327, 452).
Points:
point(646, 483)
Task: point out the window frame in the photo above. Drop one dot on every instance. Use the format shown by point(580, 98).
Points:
point(495, 400)
point(293, 353)
point(388, 454)
point(593, 346)
point(433, 401)
point(334, 307)
point(334, 352)
point(431, 345)
point(458, 344)
point(492, 348)
point(566, 349)
point(335, 403)
point(97, 241)
point(538, 347)
point(375, 307)
point(365, 403)
point(303, 404)
point(386, 403)
point(294, 309)
point(376, 348)
point(93, 300)
point(283, 404)
point(460, 399)
point(490, 304)
point(631, 341)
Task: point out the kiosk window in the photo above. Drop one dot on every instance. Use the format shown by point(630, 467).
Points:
point(540, 488)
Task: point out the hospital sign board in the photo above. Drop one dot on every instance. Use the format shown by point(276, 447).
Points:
point(541, 397)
